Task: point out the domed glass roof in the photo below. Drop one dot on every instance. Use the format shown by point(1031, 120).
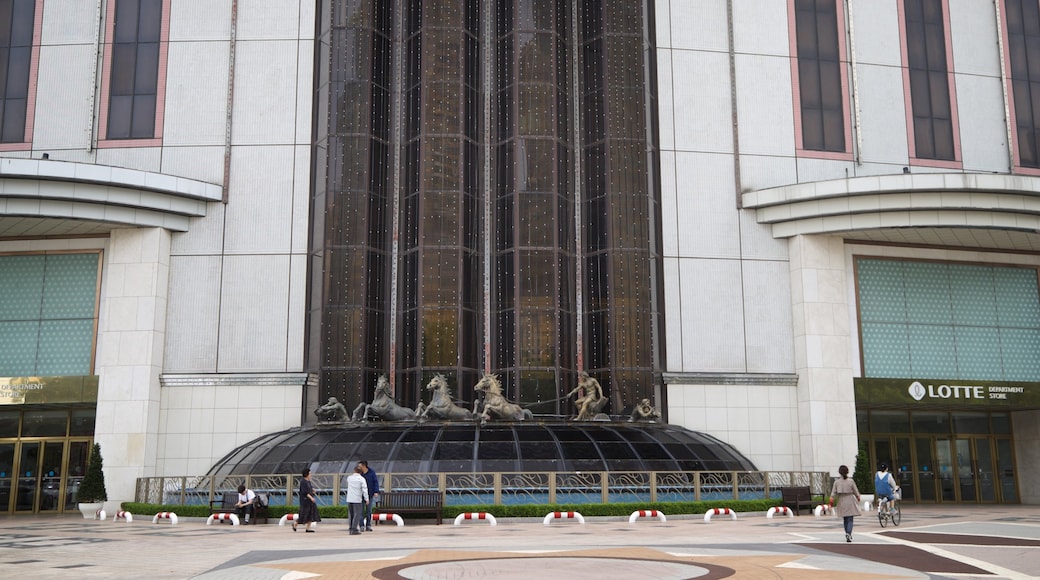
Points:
point(525, 446)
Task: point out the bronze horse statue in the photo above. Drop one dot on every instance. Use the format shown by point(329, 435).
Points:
point(442, 406)
point(383, 406)
point(495, 404)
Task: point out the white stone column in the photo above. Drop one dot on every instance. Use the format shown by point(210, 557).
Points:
point(820, 309)
point(1026, 428)
point(131, 339)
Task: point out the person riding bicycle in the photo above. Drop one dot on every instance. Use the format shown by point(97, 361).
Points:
point(885, 485)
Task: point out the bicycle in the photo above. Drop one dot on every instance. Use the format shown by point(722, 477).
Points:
point(889, 511)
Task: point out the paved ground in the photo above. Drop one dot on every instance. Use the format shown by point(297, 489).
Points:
point(961, 542)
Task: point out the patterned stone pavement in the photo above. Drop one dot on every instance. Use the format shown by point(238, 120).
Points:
point(959, 542)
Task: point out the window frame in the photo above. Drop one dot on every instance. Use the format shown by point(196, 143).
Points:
point(843, 60)
point(951, 85)
point(104, 141)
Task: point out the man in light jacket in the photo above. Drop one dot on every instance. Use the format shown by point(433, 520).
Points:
point(357, 497)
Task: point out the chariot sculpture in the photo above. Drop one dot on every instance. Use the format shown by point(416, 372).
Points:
point(331, 411)
point(491, 403)
point(383, 406)
point(441, 406)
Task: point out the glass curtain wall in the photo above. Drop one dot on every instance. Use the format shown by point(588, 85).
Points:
point(485, 198)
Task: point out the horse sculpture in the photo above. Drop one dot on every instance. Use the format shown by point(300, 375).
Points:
point(383, 406)
point(495, 404)
point(441, 407)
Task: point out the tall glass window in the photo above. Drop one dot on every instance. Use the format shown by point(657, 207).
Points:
point(929, 79)
point(821, 95)
point(134, 69)
point(948, 321)
point(48, 314)
point(1023, 51)
point(17, 18)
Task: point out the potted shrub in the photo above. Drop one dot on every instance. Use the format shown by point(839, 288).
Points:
point(92, 494)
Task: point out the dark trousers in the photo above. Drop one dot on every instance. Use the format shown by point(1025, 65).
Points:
point(356, 512)
point(245, 513)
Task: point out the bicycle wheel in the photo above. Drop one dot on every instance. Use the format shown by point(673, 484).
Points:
point(897, 514)
point(881, 517)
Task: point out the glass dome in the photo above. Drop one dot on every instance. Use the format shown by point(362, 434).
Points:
point(527, 446)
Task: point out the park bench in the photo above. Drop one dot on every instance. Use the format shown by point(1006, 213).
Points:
point(401, 502)
point(796, 498)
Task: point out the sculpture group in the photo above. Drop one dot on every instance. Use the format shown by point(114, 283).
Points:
point(490, 404)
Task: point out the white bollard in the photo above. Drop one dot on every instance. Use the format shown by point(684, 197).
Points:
point(165, 516)
point(233, 518)
point(288, 517)
point(387, 517)
point(100, 515)
point(779, 510)
point(129, 517)
point(563, 515)
point(646, 514)
point(476, 516)
point(718, 512)
point(823, 509)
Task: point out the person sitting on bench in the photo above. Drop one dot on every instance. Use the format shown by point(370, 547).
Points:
point(246, 500)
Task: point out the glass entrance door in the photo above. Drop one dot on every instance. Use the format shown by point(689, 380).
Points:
point(40, 486)
point(6, 475)
point(926, 480)
point(966, 483)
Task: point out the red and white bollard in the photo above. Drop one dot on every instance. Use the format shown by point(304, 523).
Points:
point(779, 510)
point(288, 518)
point(476, 516)
point(129, 517)
point(563, 516)
point(165, 516)
point(100, 515)
point(719, 512)
point(646, 514)
point(823, 509)
point(233, 518)
point(387, 517)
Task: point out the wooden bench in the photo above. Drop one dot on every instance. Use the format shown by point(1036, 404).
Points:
point(400, 502)
point(796, 498)
point(226, 505)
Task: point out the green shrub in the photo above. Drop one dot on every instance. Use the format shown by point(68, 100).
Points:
point(863, 475)
point(92, 488)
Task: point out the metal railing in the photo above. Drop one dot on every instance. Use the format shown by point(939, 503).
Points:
point(499, 488)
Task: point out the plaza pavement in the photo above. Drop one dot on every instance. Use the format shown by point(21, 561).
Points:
point(956, 542)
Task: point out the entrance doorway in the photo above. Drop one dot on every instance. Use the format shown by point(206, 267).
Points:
point(969, 469)
point(41, 476)
point(941, 457)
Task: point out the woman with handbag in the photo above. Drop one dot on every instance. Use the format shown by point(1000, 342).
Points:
point(847, 504)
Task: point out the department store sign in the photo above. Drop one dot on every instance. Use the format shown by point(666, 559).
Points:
point(958, 393)
point(48, 390)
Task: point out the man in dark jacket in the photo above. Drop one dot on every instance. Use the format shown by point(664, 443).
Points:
point(373, 493)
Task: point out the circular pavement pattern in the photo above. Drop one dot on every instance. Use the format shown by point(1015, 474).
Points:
point(570, 567)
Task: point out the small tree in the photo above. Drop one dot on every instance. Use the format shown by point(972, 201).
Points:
point(862, 475)
point(92, 488)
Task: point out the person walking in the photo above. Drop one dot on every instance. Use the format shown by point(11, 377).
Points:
point(308, 504)
point(847, 504)
point(373, 493)
point(357, 497)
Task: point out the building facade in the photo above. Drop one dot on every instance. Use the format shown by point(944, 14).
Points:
point(796, 225)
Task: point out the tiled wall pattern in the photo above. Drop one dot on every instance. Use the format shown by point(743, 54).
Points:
point(47, 314)
point(949, 321)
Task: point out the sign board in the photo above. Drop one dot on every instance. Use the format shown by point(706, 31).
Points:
point(938, 393)
point(48, 390)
